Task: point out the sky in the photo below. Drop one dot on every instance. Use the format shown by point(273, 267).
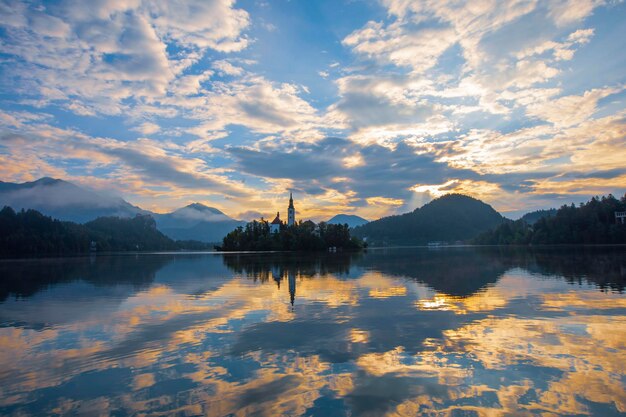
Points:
point(356, 106)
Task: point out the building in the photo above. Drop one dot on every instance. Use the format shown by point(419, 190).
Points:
point(291, 212)
point(275, 224)
point(291, 217)
point(620, 217)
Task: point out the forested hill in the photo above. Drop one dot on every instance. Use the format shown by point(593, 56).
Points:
point(590, 223)
point(449, 218)
point(534, 216)
point(29, 232)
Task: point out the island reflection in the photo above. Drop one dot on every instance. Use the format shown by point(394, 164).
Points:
point(389, 332)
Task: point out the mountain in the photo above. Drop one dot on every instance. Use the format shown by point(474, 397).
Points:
point(449, 218)
point(196, 222)
point(534, 216)
point(64, 200)
point(30, 232)
point(350, 219)
point(68, 202)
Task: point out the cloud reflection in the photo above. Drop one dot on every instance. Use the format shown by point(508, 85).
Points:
point(366, 335)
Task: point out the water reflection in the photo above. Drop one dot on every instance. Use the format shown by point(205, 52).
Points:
point(392, 332)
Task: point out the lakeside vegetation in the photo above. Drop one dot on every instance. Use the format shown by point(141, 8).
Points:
point(449, 218)
point(303, 236)
point(589, 223)
point(29, 232)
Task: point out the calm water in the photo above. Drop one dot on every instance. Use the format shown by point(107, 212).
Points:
point(445, 332)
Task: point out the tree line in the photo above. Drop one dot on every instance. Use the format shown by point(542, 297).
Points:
point(30, 232)
point(592, 222)
point(303, 236)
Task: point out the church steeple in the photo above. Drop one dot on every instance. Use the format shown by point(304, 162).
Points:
point(291, 212)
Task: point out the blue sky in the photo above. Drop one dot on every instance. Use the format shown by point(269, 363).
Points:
point(363, 107)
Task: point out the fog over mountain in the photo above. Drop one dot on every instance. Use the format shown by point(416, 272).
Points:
point(66, 201)
point(196, 222)
point(349, 219)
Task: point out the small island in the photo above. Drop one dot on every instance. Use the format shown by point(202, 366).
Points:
point(262, 235)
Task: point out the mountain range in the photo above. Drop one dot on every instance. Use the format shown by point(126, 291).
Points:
point(196, 222)
point(66, 201)
point(450, 218)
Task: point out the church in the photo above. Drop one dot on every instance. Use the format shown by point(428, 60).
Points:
point(291, 217)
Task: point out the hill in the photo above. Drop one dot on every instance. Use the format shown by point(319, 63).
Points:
point(350, 219)
point(30, 232)
point(197, 222)
point(449, 218)
point(590, 223)
point(534, 216)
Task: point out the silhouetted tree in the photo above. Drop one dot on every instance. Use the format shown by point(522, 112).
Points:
point(30, 232)
point(303, 236)
point(590, 223)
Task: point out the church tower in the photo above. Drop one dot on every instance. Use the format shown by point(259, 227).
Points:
point(291, 212)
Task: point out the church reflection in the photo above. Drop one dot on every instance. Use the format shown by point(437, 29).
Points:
point(280, 267)
point(278, 275)
point(480, 331)
point(457, 272)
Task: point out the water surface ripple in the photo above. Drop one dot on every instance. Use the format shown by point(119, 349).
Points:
point(397, 332)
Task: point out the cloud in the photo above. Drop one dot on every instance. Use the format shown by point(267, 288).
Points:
point(97, 56)
point(418, 50)
point(494, 63)
point(214, 24)
point(381, 108)
point(382, 174)
point(435, 96)
point(570, 110)
point(226, 68)
point(151, 162)
point(565, 12)
point(254, 102)
point(148, 128)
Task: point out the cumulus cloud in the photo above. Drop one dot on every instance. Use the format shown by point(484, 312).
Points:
point(214, 24)
point(418, 50)
point(93, 57)
point(435, 96)
point(254, 102)
point(495, 64)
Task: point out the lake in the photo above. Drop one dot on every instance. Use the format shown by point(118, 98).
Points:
point(407, 331)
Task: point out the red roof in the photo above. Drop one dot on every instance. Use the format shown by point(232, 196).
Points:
point(277, 219)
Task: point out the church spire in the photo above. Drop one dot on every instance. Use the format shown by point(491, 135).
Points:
point(291, 212)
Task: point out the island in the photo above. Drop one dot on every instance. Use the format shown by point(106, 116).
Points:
point(262, 235)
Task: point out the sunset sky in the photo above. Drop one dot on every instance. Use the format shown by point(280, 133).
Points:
point(356, 106)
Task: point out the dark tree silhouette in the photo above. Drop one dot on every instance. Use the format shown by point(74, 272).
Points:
point(590, 223)
point(303, 236)
point(29, 232)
